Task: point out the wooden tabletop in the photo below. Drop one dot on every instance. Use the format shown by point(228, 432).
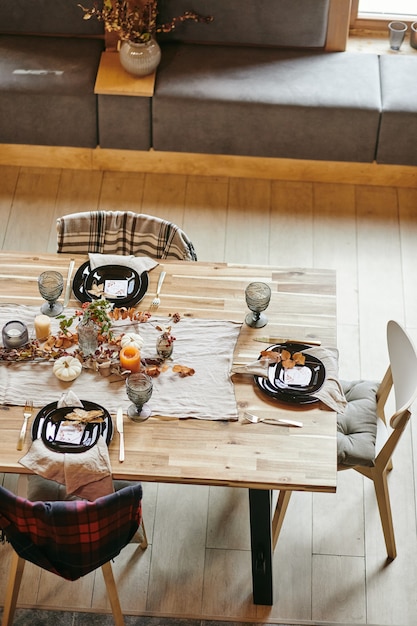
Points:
point(303, 306)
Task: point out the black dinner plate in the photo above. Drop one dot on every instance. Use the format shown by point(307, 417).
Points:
point(47, 423)
point(85, 278)
point(307, 379)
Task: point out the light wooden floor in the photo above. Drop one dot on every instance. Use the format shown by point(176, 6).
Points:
point(330, 561)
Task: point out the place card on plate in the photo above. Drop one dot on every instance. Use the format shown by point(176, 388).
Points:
point(70, 432)
point(116, 288)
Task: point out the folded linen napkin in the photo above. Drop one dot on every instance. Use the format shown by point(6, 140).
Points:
point(68, 398)
point(138, 263)
point(86, 474)
point(331, 393)
point(255, 368)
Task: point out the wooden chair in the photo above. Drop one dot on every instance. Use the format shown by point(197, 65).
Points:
point(68, 538)
point(123, 232)
point(371, 443)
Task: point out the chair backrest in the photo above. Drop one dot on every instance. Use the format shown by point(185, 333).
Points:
point(401, 377)
point(123, 232)
point(71, 538)
point(403, 363)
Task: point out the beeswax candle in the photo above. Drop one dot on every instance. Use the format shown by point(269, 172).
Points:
point(130, 358)
point(42, 326)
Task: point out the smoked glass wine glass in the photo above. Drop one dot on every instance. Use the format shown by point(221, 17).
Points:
point(258, 296)
point(50, 286)
point(139, 389)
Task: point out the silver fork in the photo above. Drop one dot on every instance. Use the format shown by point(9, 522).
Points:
point(27, 413)
point(157, 300)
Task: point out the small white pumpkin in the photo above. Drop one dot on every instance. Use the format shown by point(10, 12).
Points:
point(67, 368)
point(132, 339)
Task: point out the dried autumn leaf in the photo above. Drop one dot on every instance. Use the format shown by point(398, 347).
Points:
point(299, 358)
point(183, 370)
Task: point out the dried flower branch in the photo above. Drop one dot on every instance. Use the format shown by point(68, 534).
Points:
point(136, 21)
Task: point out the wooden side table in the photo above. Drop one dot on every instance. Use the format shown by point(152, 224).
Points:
point(124, 106)
point(112, 79)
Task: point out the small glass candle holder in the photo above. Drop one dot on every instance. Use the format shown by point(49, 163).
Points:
point(15, 334)
point(164, 346)
point(87, 337)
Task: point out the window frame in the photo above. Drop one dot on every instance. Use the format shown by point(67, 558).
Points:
point(370, 22)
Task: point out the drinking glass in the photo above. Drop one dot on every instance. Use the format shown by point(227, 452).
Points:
point(50, 286)
point(258, 296)
point(397, 32)
point(139, 389)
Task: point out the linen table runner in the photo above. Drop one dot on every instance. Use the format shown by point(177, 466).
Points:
point(205, 345)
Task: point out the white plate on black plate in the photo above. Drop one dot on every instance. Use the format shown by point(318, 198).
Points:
point(296, 385)
point(48, 426)
point(119, 284)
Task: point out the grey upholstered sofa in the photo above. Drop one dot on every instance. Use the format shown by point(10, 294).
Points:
point(49, 58)
point(260, 80)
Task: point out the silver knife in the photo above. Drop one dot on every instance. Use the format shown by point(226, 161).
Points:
point(271, 340)
point(119, 424)
point(69, 284)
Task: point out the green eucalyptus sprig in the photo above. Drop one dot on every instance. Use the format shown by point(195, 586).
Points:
point(96, 311)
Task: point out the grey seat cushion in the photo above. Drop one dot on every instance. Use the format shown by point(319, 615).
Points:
point(357, 426)
point(398, 133)
point(47, 90)
point(267, 102)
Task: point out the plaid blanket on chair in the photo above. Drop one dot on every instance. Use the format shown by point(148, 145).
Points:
point(71, 538)
point(123, 232)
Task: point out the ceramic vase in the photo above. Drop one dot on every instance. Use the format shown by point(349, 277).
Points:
point(140, 59)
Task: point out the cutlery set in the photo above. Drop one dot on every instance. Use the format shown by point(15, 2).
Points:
point(157, 300)
point(273, 340)
point(27, 414)
point(255, 419)
point(119, 426)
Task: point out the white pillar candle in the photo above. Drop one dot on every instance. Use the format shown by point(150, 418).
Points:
point(42, 326)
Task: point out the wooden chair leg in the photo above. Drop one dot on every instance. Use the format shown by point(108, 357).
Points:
point(384, 506)
point(16, 568)
point(144, 543)
point(279, 514)
point(112, 593)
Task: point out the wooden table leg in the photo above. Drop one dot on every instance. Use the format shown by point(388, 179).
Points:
point(261, 545)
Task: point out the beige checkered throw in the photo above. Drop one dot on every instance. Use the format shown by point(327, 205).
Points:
point(123, 232)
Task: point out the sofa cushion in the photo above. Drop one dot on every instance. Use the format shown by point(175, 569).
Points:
point(267, 102)
point(398, 132)
point(295, 23)
point(357, 426)
point(47, 90)
point(54, 17)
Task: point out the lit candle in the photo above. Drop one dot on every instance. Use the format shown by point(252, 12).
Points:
point(15, 334)
point(130, 358)
point(42, 326)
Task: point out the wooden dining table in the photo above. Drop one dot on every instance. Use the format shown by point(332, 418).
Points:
point(258, 457)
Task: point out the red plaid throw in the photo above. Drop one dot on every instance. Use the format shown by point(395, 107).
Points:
point(71, 538)
point(123, 232)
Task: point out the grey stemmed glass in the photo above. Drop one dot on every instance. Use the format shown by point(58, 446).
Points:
point(139, 389)
point(50, 286)
point(258, 296)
